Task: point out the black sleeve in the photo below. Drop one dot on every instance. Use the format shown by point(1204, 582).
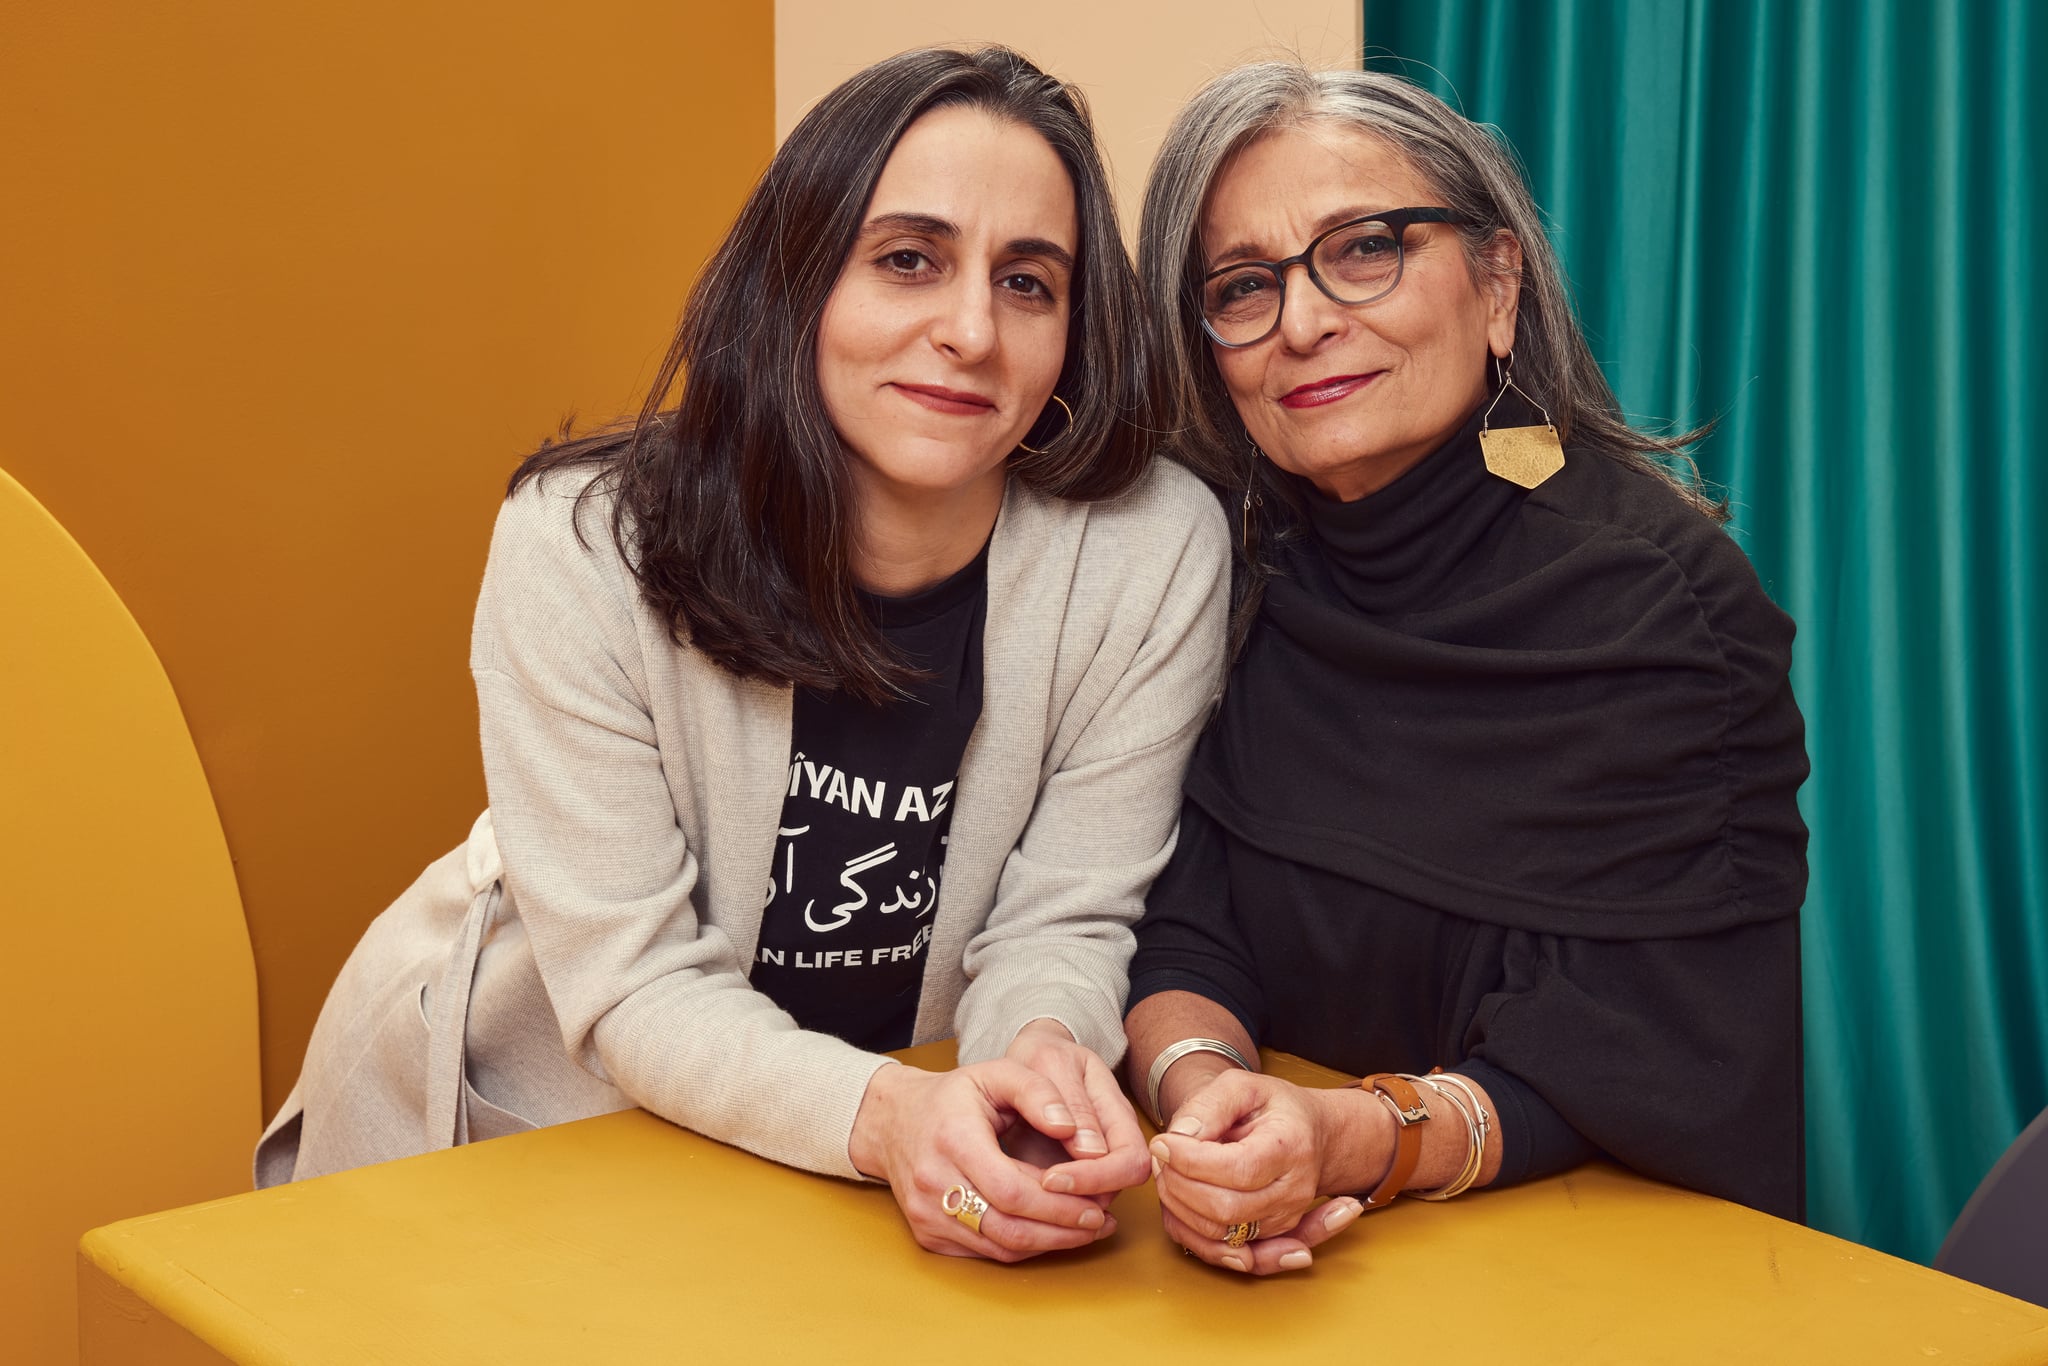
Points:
point(1188, 939)
point(1535, 1140)
point(1679, 1058)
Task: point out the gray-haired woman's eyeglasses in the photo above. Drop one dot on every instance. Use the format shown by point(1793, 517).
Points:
point(1353, 263)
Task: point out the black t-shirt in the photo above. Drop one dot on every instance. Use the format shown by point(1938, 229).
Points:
point(859, 854)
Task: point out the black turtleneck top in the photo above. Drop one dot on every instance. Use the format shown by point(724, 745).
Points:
point(1505, 782)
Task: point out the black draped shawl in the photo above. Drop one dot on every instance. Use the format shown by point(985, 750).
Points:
point(1505, 781)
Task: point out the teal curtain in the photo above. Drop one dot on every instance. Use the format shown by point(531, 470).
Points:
point(1820, 222)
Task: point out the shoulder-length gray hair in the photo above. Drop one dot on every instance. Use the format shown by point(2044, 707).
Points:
point(1470, 170)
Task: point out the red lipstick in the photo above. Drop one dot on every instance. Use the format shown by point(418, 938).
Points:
point(1318, 392)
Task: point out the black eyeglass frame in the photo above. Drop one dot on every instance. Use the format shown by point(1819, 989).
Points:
point(1397, 220)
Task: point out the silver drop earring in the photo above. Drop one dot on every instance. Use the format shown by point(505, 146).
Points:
point(1253, 500)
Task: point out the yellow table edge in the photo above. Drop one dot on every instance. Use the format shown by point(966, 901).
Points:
point(119, 1267)
point(118, 1323)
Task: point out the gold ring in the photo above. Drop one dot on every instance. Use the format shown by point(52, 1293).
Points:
point(965, 1204)
point(1240, 1234)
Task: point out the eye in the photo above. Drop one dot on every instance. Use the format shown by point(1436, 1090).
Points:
point(1359, 260)
point(1238, 294)
point(1026, 284)
point(1370, 241)
point(1242, 286)
point(905, 261)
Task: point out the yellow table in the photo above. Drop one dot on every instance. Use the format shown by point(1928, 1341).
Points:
point(624, 1239)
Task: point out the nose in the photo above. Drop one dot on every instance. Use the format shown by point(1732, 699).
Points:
point(965, 324)
point(1307, 315)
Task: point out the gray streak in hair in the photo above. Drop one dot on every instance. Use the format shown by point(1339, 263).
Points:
point(1471, 170)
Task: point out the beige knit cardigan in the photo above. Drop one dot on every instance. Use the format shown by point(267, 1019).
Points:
point(587, 948)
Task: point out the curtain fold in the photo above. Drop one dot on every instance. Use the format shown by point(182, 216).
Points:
point(1820, 225)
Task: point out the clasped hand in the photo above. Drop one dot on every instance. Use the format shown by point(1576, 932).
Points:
point(1249, 1148)
point(1043, 1134)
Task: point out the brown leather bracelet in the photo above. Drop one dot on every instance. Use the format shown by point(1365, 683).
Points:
point(1405, 1101)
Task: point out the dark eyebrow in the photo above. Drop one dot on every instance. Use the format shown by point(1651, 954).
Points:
point(923, 224)
point(1040, 246)
point(1248, 251)
point(930, 225)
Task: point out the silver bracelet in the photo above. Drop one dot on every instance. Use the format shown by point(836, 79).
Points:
point(1172, 1054)
point(1458, 1091)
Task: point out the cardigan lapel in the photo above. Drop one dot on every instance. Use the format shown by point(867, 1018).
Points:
point(1030, 567)
point(745, 736)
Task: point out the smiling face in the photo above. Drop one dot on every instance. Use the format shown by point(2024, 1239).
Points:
point(1352, 396)
point(942, 340)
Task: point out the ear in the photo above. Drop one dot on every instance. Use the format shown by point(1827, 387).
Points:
point(1503, 290)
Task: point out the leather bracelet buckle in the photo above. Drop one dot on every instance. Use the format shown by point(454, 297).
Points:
point(1405, 1102)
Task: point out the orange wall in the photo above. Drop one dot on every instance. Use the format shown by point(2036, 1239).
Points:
point(284, 292)
point(1137, 60)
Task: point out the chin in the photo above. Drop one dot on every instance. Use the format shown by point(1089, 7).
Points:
point(936, 475)
point(1326, 457)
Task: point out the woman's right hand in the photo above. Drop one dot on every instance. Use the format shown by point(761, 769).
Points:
point(1248, 1148)
point(924, 1132)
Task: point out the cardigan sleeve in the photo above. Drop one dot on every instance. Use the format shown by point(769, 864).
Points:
point(1058, 940)
point(647, 996)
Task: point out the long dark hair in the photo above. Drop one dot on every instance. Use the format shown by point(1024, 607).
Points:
point(734, 508)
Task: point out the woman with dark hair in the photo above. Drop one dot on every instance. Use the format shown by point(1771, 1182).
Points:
point(1499, 808)
point(838, 707)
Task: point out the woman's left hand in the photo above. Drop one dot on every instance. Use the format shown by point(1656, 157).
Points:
point(1248, 1148)
point(1104, 1140)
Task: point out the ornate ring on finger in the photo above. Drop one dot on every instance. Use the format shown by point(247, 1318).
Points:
point(965, 1204)
point(1240, 1234)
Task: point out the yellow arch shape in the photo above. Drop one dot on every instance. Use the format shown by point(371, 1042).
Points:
point(127, 986)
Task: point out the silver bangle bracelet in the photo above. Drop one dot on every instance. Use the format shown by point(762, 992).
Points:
point(1172, 1054)
point(1465, 1097)
point(1457, 1184)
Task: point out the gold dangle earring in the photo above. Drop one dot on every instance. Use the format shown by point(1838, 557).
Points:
point(1520, 455)
point(1041, 450)
point(1253, 500)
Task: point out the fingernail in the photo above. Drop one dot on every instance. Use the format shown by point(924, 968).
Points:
point(1186, 1124)
point(1058, 1114)
point(1296, 1260)
point(1089, 1142)
point(1108, 1227)
point(1341, 1213)
point(1059, 1183)
point(1155, 1169)
point(1091, 1218)
point(1233, 1261)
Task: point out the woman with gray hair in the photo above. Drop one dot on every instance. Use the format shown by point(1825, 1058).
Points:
point(1499, 809)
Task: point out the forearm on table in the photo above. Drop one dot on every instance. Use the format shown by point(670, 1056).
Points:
point(889, 1091)
point(1359, 1141)
point(721, 1059)
point(1059, 940)
point(1078, 986)
point(1164, 1019)
point(1358, 1127)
